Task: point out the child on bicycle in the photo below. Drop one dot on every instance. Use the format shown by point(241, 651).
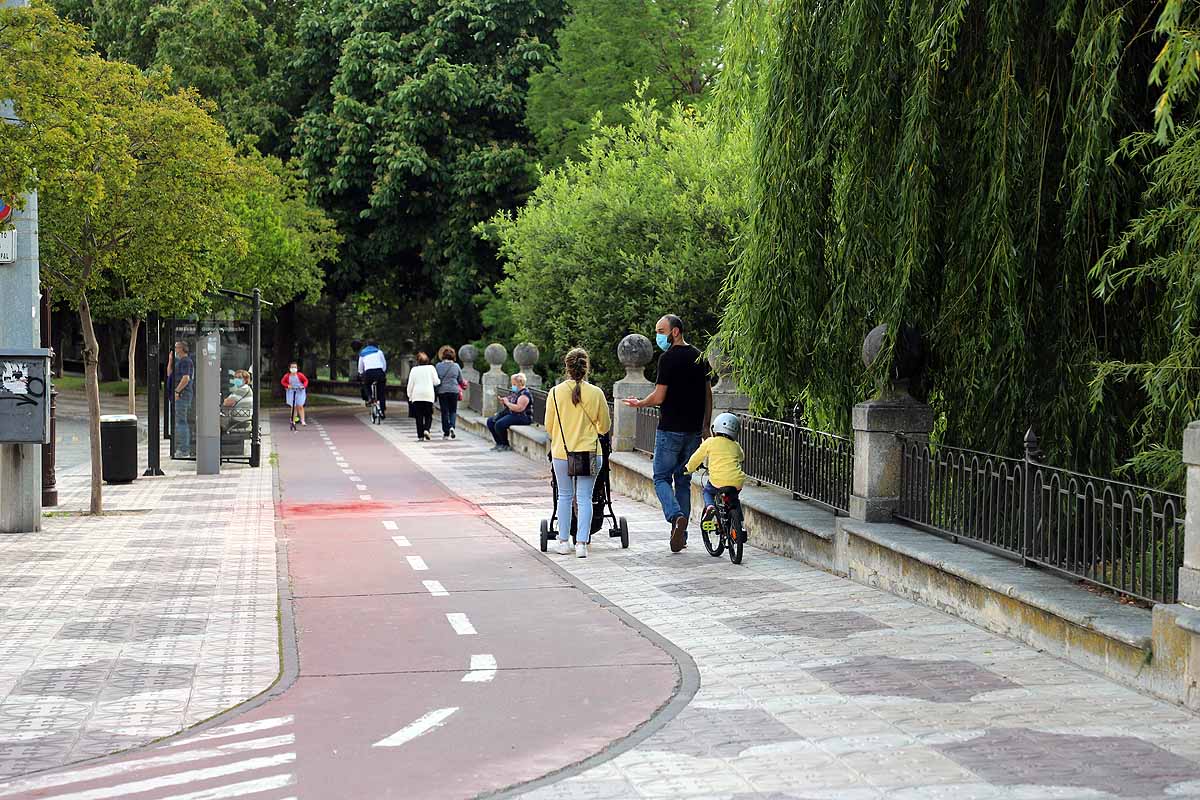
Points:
point(724, 457)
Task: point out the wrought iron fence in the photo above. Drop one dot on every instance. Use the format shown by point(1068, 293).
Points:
point(811, 464)
point(644, 429)
point(475, 396)
point(1116, 535)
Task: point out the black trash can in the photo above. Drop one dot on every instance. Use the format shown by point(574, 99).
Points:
point(118, 447)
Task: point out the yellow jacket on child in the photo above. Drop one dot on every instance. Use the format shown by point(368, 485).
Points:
point(725, 458)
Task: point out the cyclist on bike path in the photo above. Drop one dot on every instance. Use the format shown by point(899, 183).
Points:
point(372, 370)
point(683, 391)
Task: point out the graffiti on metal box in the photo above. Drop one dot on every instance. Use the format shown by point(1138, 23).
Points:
point(18, 383)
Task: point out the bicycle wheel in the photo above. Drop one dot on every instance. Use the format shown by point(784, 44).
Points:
point(737, 535)
point(714, 542)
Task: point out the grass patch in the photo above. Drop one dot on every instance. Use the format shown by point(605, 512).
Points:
point(75, 383)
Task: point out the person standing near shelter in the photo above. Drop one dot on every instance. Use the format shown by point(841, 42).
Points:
point(372, 369)
point(182, 374)
point(449, 390)
point(422, 390)
point(683, 392)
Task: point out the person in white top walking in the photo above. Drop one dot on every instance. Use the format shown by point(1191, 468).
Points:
point(372, 369)
point(422, 391)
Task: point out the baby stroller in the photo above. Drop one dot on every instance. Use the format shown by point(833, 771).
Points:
point(602, 509)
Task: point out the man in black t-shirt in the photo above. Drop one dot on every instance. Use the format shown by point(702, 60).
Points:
point(684, 394)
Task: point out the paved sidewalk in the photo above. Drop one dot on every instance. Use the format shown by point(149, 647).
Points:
point(813, 686)
point(122, 629)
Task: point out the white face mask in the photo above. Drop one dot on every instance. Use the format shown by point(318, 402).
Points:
point(293, 369)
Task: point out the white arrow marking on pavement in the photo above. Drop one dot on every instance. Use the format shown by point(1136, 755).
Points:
point(238, 789)
point(417, 563)
point(235, 730)
point(401, 541)
point(163, 781)
point(390, 525)
point(483, 669)
point(462, 626)
point(436, 589)
point(152, 762)
point(432, 720)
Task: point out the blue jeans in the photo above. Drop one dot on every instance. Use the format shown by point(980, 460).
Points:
point(674, 489)
point(500, 423)
point(183, 426)
point(710, 494)
point(579, 490)
point(448, 402)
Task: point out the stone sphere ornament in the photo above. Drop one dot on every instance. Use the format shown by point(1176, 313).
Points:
point(908, 355)
point(468, 354)
point(496, 355)
point(635, 352)
point(526, 354)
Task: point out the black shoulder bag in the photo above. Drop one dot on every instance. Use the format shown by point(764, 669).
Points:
point(579, 462)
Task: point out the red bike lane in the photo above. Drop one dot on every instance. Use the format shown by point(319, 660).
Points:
point(438, 657)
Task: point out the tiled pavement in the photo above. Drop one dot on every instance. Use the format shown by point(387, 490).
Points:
point(813, 686)
point(121, 629)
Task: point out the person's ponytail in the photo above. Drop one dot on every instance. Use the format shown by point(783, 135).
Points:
point(576, 363)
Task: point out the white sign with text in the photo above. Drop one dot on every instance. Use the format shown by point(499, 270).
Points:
point(8, 246)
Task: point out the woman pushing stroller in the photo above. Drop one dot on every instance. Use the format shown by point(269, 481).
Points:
point(576, 417)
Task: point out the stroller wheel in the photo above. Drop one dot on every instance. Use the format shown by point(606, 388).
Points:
point(623, 526)
point(545, 534)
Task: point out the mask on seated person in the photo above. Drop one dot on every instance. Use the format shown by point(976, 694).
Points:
point(238, 383)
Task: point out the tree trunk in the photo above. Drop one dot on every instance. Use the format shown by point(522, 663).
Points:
point(91, 358)
point(134, 324)
point(334, 358)
point(283, 344)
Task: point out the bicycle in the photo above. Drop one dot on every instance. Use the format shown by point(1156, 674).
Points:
point(726, 529)
point(376, 412)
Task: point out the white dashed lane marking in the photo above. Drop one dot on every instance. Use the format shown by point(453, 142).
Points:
point(422, 726)
point(417, 563)
point(390, 525)
point(401, 541)
point(462, 626)
point(436, 589)
point(483, 669)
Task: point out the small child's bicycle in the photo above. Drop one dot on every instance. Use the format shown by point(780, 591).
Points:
point(724, 528)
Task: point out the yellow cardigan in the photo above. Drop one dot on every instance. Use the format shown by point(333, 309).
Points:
point(581, 423)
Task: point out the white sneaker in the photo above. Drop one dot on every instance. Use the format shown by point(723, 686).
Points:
point(581, 550)
point(564, 547)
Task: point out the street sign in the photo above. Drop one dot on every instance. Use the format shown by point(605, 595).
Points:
point(5, 212)
point(8, 247)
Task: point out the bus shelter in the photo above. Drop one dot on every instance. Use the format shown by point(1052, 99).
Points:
point(210, 366)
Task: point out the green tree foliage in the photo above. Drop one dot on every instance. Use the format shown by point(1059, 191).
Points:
point(605, 49)
point(1159, 255)
point(287, 240)
point(233, 52)
point(413, 133)
point(956, 179)
point(644, 224)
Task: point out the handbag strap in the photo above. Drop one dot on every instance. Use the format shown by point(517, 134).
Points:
point(595, 425)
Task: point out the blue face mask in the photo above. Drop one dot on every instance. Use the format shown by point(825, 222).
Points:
point(515, 389)
point(664, 342)
point(237, 383)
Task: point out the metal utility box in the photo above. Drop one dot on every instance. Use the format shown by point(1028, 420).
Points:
point(25, 395)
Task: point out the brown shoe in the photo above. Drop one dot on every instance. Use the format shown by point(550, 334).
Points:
point(678, 531)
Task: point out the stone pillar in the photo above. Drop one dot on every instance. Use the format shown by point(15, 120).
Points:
point(1189, 573)
point(875, 493)
point(467, 356)
point(407, 360)
point(634, 353)
point(526, 355)
point(726, 396)
point(494, 379)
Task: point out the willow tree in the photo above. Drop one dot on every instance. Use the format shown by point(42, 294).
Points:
point(946, 164)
